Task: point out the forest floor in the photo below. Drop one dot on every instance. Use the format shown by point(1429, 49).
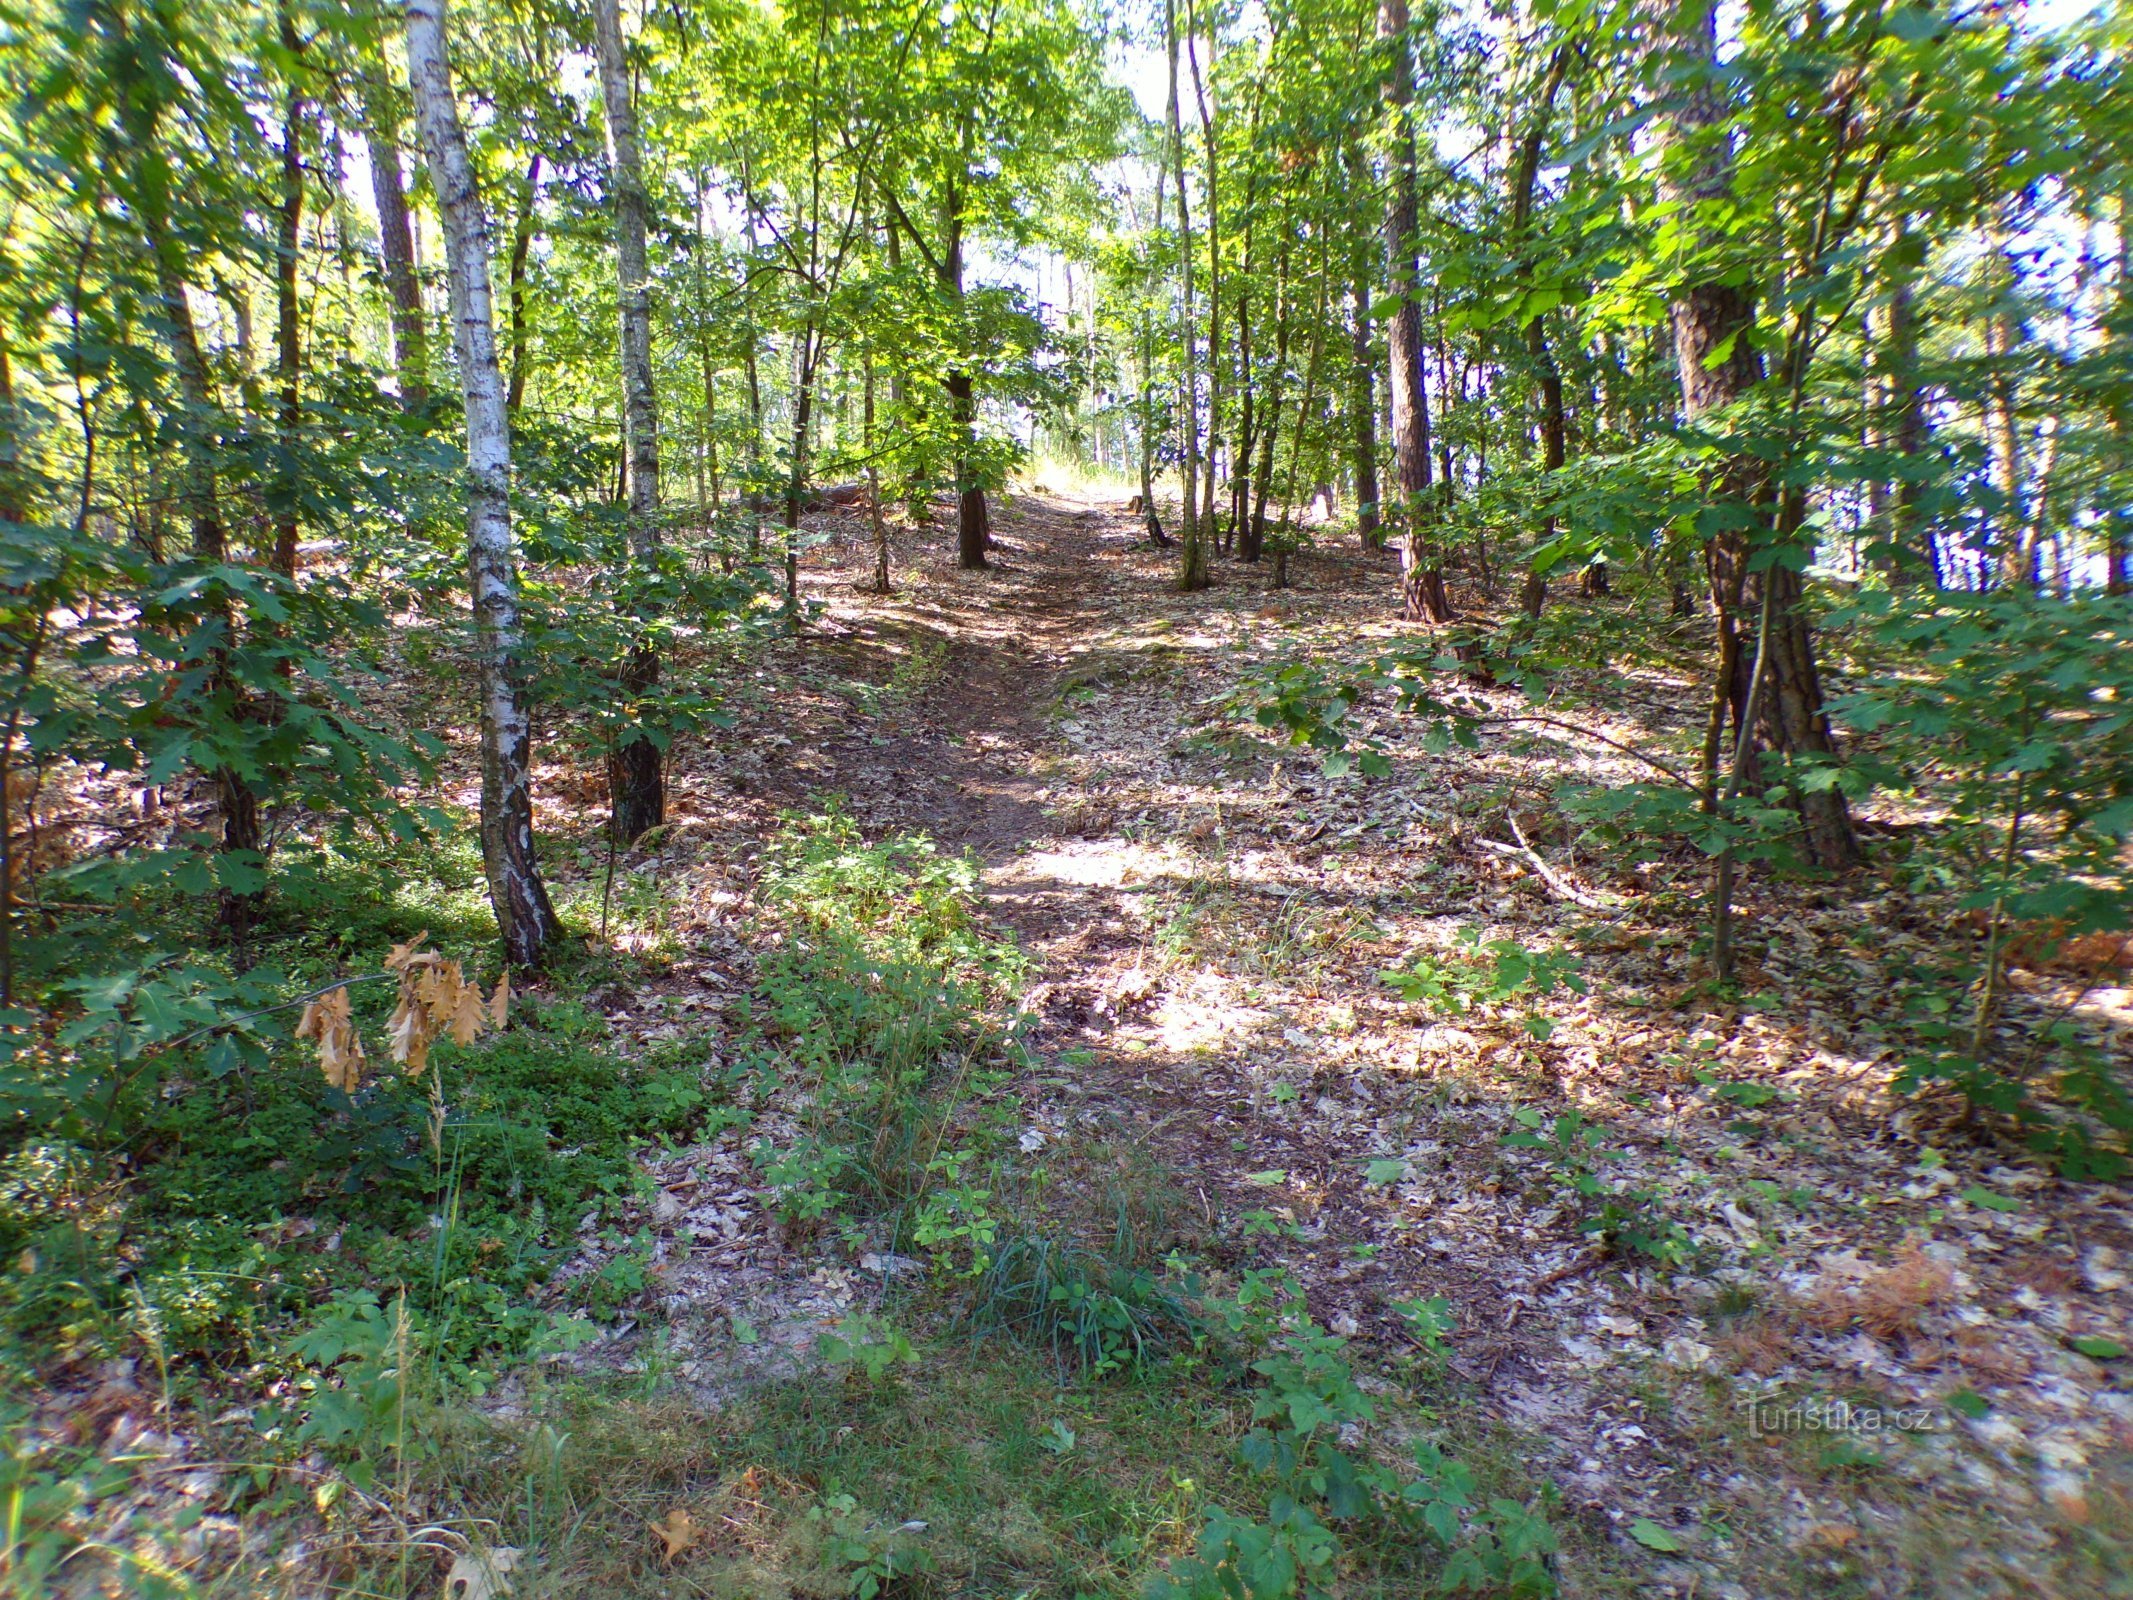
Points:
point(1207, 920)
point(1866, 1352)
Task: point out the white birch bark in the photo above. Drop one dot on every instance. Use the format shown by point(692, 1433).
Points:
point(523, 914)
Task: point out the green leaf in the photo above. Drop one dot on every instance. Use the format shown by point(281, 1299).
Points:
point(1272, 1178)
point(2098, 1348)
point(1653, 1537)
point(241, 871)
point(1968, 1403)
point(1386, 1171)
point(1991, 1201)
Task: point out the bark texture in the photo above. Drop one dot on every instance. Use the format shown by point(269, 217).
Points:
point(636, 768)
point(1423, 596)
point(396, 251)
point(1192, 548)
point(1711, 319)
point(523, 915)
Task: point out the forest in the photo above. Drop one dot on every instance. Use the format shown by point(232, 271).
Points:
point(1049, 799)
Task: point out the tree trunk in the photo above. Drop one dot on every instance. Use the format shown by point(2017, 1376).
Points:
point(12, 508)
point(866, 440)
point(523, 915)
point(2016, 550)
point(1192, 552)
point(396, 248)
point(1214, 259)
point(1423, 597)
point(1712, 323)
point(1362, 390)
point(637, 797)
point(973, 518)
point(521, 252)
point(1270, 425)
point(199, 442)
point(1904, 551)
point(1525, 173)
point(1240, 485)
point(1153, 522)
point(2118, 536)
point(288, 348)
point(804, 355)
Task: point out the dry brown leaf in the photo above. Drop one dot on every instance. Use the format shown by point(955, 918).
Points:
point(327, 1021)
point(470, 1014)
point(402, 954)
point(409, 1035)
point(678, 1532)
point(481, 1574)
point(437, 986)
point(436, 999)
point(500, 1002)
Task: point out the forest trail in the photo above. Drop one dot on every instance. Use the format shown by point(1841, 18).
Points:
point(1208, 921)
point(1568, 1032)
point(1193, 994)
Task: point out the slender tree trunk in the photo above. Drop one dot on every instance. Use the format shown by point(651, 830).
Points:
point(12, 508)
point(288, 348)
point(1907, 555)
point(1423, 597)
point(199, 428)
point(867, 436)
point(1240, 477)
point(396, 249)
point(2016, 551)
point(515, 286)
point(1547, 375)
point(1270, 426)
point(804, 356)
point(973, 518)
point(1712, 323)
point(1284, 539)
point(1214, 259)
point(524, 917)
point(2118, 536)
point(636, 779)
point(1362, 387)
point(1192, 548)
point(1150, 519)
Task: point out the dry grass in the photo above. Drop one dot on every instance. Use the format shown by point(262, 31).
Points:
point(1891, 1302)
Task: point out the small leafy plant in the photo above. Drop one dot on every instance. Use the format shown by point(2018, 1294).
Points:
point(1318, 1483)
point(1621, 1219)
point(1487, 972)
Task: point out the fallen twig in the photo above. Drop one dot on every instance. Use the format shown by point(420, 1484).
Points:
point(1553, 879)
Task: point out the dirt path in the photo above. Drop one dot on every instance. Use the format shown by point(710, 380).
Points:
point(1207, 927)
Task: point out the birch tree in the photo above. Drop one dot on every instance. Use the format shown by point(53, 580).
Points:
point(523, 915)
